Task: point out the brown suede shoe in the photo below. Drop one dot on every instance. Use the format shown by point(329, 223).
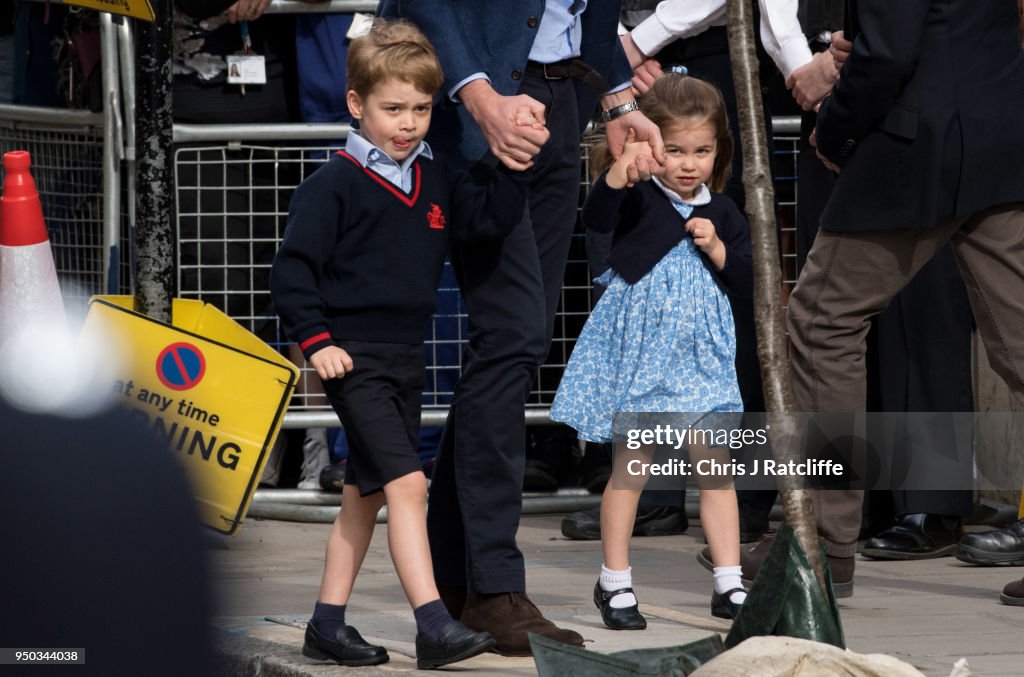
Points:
point(752, 555)
point(1013, 593)
point(509, 616)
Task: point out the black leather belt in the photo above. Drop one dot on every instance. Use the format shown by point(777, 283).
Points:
point(559, 70)
point(576, 69)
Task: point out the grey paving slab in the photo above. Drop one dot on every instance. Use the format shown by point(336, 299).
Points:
point(928, 613)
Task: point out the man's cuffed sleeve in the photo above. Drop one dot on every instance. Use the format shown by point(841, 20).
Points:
point(675, 19)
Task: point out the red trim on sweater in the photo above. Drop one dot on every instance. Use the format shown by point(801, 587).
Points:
point(408, 200)
point(312, 340)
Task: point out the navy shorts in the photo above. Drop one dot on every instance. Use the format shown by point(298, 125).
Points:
point(378, 403)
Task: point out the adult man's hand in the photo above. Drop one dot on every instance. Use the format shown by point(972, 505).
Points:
point(812, 140)
point(644, 130)
point(813, 81)
point(514, 144)
point(840, 49)
point(644, 76)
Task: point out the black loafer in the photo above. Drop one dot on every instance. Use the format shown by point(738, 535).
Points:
point(346, 648)
point(1000, 547)
point(455, 643)
point(722, 605)
point(626, 618)
point(916, 536)
point(651, 520)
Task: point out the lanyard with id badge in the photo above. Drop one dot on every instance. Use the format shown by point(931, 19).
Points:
point(246, 67)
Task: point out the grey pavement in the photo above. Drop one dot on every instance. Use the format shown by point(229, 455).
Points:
point(928, 613)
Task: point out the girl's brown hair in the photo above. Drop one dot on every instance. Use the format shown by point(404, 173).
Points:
point(393, 49)
point(674, 98)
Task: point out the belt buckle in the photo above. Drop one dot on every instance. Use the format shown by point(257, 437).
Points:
point(547, 76)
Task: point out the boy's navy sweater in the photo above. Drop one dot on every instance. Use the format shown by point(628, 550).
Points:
point(361, 259)
point(646, 227)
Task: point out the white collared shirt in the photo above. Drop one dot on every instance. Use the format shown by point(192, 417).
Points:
point(781, 34)
point(701, 196)
point(373, 158)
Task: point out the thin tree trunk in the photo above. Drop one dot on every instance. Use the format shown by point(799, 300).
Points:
point(772, 345)
point(155, 212)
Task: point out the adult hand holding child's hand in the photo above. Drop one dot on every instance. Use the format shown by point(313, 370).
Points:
point(513, 143)
point(635, 164)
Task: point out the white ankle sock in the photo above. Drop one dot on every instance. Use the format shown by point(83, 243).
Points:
point(727, 578)
point(617, 580)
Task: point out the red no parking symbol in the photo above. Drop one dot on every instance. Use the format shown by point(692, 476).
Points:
point(180, 366)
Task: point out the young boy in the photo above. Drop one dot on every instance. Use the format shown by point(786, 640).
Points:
point(354, 283)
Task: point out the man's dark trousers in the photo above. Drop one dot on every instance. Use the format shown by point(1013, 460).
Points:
point(511, 290)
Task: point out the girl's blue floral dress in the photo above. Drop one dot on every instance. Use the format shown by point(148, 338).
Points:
point(664, 344)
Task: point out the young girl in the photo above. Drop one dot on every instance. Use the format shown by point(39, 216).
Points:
point(661, 339)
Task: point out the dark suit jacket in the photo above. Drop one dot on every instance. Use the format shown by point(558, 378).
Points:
point(495, 37)
point(927, 119)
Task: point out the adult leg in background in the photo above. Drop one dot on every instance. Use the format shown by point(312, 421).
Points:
point(848, 278)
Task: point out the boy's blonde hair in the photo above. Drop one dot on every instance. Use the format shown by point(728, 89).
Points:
point(393, 49)
point(674, 97)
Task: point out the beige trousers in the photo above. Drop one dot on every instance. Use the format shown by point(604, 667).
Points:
point(850, 277)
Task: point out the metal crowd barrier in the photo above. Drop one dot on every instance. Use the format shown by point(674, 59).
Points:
point(233, 184)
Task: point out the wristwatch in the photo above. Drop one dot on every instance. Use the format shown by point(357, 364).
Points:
point(619, 111)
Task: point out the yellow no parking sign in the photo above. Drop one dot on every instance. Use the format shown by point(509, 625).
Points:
point(207, 388)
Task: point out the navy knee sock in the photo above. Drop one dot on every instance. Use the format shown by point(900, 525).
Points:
point(328, 618)
point(431, 618)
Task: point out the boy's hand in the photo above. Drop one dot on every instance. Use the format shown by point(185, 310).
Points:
point(706, 237)
point(331, 362)
point(635, 163)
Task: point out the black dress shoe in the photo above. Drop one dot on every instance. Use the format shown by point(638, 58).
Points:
point(660, 520)
point(332, 477)
point(455, 643)
point(916, 536)
point(625, 618)
point(1001, 547)
point(722, 605)
point(346, 648)
point(651, 520)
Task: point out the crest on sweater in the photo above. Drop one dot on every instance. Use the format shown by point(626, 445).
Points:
point(435, 218)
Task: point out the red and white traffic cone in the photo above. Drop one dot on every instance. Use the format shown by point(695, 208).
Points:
point(29, 291)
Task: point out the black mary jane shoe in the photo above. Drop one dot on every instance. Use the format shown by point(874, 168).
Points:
point(455, 643)
point(347, 648)
point(722, 605)
point(626, 618)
